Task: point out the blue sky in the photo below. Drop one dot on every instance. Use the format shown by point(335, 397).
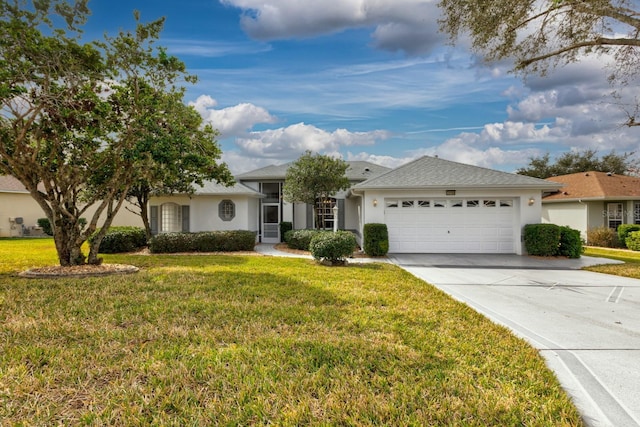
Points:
point(367, 80)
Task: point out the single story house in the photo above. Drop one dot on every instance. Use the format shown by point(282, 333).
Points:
point(19, 212)
point(211, 207)
point(430, 205)
point(593, 199)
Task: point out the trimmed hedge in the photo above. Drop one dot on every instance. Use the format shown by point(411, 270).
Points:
point(624, 230)
point(206, 241)
point(284, 227)
point(376, 239)
point(45, 224)
point(300, 239)
point(552, 240)
point(542, 239)
point(333, 247)
point(604, 237)
point(633, 241)
point(122, 239)
point(570, 243)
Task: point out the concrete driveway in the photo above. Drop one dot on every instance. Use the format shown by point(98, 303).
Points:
point(586, 325)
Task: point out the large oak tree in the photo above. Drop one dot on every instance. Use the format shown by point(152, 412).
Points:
point(539, 35)
point(75, 117)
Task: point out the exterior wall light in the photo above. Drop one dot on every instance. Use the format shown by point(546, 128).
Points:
point(375, 202)
point(531, 201)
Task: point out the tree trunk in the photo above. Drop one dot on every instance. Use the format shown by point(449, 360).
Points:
point(143, 202)
point(68, 244)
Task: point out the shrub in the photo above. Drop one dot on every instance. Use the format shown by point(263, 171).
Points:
point(542, 239)
point(300, 239)
point(285, 226)
point(45, 224)
point(624, 230)
point(376, 239)
point(206, 241)
point(633, 241)
point(603, 236)
point(333, 247)
point(122, 239)
point(287, 236)
point(570, 243)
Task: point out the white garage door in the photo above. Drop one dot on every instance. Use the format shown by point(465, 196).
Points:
point(471, 225)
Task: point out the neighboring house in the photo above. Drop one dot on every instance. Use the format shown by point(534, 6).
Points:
point(211, 207)
point(19, 212)
point(430, 205)
point(593, 199)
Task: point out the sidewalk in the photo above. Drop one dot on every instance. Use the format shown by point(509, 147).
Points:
point(270, 250)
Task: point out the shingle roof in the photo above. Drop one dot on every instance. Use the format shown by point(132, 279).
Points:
point(433, 172)
point(595, 185)
point(213, 188)
point(9, 184)
point(357, 171)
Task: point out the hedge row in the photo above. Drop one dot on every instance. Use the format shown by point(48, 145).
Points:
point(301, 239)
point(206, 241)
point(552, 240)
point(122, 239)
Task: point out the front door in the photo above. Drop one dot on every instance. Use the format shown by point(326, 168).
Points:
point(271, 223)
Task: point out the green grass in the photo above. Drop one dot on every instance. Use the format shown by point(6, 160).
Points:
point(246, 340)
point(630, 268)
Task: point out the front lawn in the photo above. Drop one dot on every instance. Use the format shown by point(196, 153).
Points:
point(630, 268)
point(246, 340)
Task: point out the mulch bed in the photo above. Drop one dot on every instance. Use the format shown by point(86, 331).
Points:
point(79, 271)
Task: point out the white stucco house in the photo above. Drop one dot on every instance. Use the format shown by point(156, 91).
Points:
point(430, 205)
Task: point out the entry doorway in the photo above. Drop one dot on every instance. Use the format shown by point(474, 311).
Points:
point(271, 223)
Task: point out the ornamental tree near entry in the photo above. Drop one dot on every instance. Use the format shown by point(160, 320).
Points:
point(314, 178)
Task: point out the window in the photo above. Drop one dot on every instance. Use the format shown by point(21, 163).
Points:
point(636, 213)
point(325, 212)
point(439, 203)
point(424, 203)
point(407, 203)
point(506, 203)
point(171, 218)
point(456, 203)
point(392, 203)
point(614, 215)
point(473, 203)
point(489, 203)
point(227, 210)
point(272, 192)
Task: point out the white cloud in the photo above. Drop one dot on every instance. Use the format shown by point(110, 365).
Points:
point(289, 142)
point(400, 25)
point(231, 121)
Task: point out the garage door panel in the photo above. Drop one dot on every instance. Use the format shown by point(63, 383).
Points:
point(459, 229)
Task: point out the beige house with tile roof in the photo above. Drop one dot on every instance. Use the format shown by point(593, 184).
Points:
point(19, 212)
point(593, 199)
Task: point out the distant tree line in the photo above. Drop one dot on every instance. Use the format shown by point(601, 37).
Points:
point(580, 161)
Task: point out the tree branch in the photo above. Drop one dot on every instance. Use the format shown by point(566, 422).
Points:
point(600, 41)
